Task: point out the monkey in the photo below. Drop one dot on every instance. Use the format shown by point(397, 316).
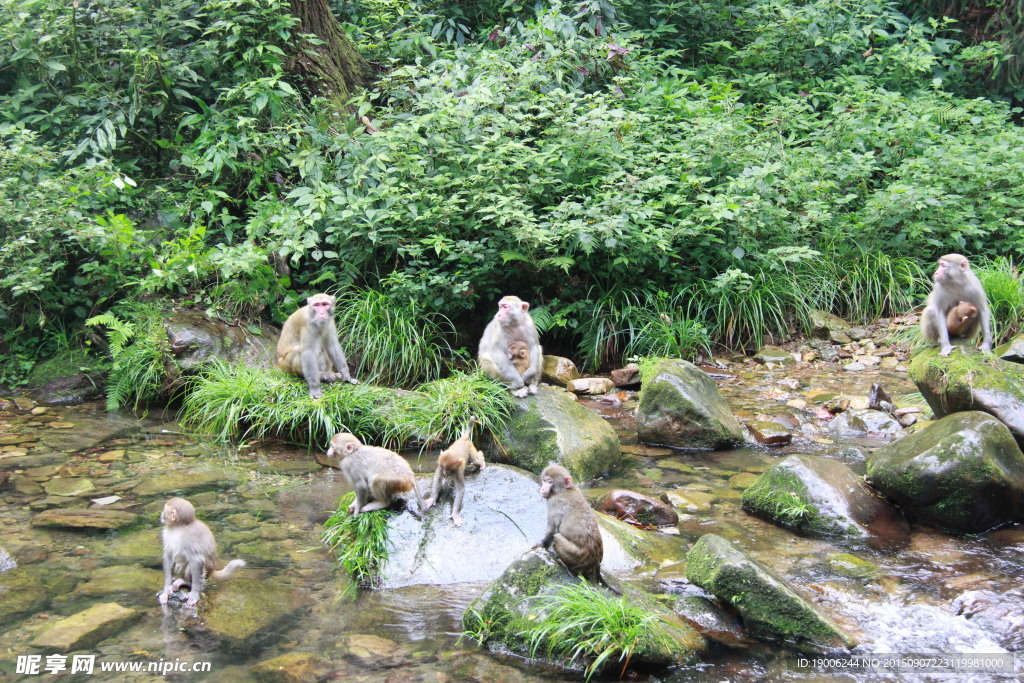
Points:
point(190, 552)
point(308, 346)
point(962, 321)
point(512, 323)
point(572, 526)
point(452, 462)
point(376, 474)
point(519, 353)
point(954, 284)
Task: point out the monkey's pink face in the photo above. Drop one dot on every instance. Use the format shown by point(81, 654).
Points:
point(504, 310)
point(545, 487)
point(323, 309)
point(947, 269)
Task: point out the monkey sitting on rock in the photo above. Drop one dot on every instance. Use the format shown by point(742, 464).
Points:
point(957, 306)
point(190, 552)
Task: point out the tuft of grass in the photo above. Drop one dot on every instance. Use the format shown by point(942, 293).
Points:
point(140, 351)
point(791, 507)
point(391, 341)
point(1004, 287)
point(609, 326)
point(581, 624)
point(667, 333)
point(361, 541)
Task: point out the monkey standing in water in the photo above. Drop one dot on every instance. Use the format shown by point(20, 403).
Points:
point(190, 552)
point(955, 285)
point(512, 323)
point(308, 345)
point(376, 474)
point(572, 526)
point(452, 464)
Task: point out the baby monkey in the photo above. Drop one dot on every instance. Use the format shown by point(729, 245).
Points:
point(190, 552)
point(961, 321)
point(519, 353)
point(452, 463)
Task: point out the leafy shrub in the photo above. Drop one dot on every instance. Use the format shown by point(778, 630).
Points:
point(140, 351)
point(1004, 287)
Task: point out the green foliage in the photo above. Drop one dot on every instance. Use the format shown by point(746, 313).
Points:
point(361, 541)
point(791, 507)
point(584, 625)
point(140, 351)
point(1004, 287)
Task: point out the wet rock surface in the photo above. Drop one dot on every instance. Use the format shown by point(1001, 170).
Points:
point(637, 509)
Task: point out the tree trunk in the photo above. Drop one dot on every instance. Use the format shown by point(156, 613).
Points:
point(333, 69)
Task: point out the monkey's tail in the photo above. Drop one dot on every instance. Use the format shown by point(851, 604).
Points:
point(228, 570)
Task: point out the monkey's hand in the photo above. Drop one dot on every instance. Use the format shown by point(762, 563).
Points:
point(164, 595)
point(193, 599)
point(946, 350)
point(535, 545)
point(532, 388)
point(520, 392)
point(457, 519)
point(353, 380)
point(428, 503)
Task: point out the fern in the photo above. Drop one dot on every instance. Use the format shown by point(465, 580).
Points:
point(139, 351)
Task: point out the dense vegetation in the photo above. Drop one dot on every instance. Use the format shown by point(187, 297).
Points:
point(653, 176)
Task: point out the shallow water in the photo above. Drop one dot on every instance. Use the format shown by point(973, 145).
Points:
point(266, 504)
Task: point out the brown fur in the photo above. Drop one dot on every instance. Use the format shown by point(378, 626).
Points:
point(519, 353)
point(308, 345)
point(190, 552)
point(512, 323)
point(962, 321)
point(376, 474)
point(955, 284)
point(452, 464)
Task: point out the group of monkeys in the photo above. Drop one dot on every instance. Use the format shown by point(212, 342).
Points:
point(509, 352)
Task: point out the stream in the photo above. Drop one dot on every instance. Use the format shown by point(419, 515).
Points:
point(266, 502)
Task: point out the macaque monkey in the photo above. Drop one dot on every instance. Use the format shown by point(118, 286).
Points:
point(572, 526)
point(955, 285)
point(309, 346)
point(512, 323)
point(452, 463)
point(519, 353)
point(190, 552)
point(376, 474)
point(962, 321)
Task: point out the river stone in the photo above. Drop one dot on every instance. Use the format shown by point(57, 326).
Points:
point(971, 380)
point(185, 481)
point(196, 340)
point(628, 376)
point(836, 503)
point(77, 486)
point(824, 323)
point(769, 606)
point(84, 519)
point(15, 439)
point(246, 613)
point(681, 406)
point(689, 501)
point(123, 579)
point(773, 354)
point(638, 509)
point(84, 630)
point(558, 371)
point(591, 386)
point(28, 462)
point(22, 593)
point(292, 667)
point(506, 609)
point(1012, 351)
point(768, 433)
point(963, 472)
point(503, 514)
point(138, 547)
point(70, 390)
point(552, 427)
point(864, 422)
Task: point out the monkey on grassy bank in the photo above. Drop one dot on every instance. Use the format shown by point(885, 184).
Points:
point(451, 465)
point(308, 346)
point(376, 474)
point(512, 323)
point(190, 552)
point(956, 286)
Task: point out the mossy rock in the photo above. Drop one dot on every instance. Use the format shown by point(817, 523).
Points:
point(22, 592)
point(681, 406)
point(84, 630)
point(552, 427)
point(246, 613)
point(964, 472)
point(971, 380)
point(769, 606)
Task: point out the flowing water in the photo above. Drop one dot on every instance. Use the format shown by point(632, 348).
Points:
point(266, 504)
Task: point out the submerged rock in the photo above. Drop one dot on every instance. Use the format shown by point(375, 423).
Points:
point(769, 606)
point(681, 406)
point(22, 592)
point(823, 498)
point(246, 613)
point(123, 579)
point(971, 380)
point(292, 667)
point(508, 608)
point(963, 472)
point(186, 481)
point(551, 427)
point(84, 630)
point(85, 519)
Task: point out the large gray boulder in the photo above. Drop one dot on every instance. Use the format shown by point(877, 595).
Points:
point(964, 472)
point(971, 380)
point(681, 406)
point(769, 606)
point(196, 339)
point(552, 427)
point(823, 498)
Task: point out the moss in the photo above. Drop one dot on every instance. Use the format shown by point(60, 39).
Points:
point(64, 364)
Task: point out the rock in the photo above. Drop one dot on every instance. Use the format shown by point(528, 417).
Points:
point(512, 604)
point(502, 514)
point(374, 652)
point(857, 333)
point(769, 433)
point(637, 509)
point(186, 481)
point(123, 579)
point(292, 667)
point(138, 547)
point(773, 354)
point(823, 498)
point(558, 371)
point(681, 406)
point(972, 380)
point(689, 501)
point(22, 593)
point(964, 472)
point(627, 377)
point(591, 385)
point(76, 486)
point(71, 390)
point(85, 630)
point(853, 567)
point(1012, 351)
point(196, 340)
point(84, 519)
point(823, 324)
point(865, 423)
point(769, 606)
point(90, 431)
point(246, 613)
point(839, 337)
point(551, 427)
point(855, 366)
point(27, 462)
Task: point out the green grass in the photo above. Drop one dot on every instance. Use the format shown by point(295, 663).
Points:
point(360, 541)
point(1004, 287)
point(862, 284)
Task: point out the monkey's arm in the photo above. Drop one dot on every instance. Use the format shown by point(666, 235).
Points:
point(337, 356)
point(435, 488)
point(168, 578)
point(937, 322)
point(986, 329)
